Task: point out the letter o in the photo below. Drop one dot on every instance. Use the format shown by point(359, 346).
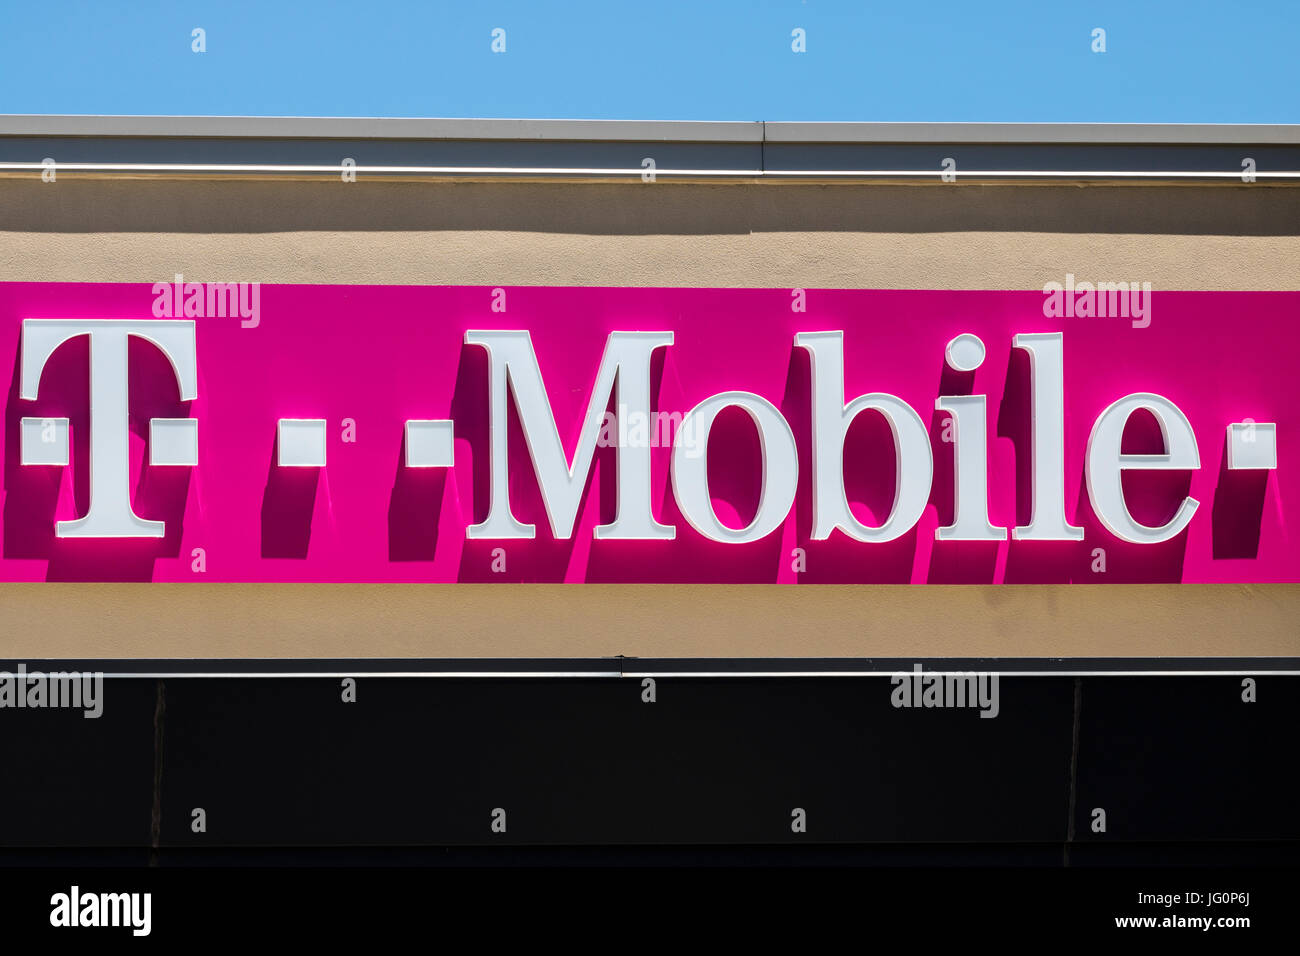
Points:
point(690, 471)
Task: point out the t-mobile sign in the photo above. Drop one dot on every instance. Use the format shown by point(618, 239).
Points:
point(235, 432)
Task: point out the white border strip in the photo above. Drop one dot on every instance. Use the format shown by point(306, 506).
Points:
point(684, 674)
point(360, 673)
point(338, 168)
point(976, 670)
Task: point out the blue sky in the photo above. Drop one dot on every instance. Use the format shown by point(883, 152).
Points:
point(926, 60)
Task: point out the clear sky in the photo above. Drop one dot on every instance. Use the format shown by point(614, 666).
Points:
point(925, 60)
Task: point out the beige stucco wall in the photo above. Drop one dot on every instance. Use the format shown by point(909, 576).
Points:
point(603, 620)
point(772, 235)
point(812, 236)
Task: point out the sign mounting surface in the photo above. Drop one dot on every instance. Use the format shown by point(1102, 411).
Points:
point(438, 433)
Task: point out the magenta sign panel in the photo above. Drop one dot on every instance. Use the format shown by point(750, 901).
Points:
point(186, 432)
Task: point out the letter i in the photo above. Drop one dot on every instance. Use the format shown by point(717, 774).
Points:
point(970, 506)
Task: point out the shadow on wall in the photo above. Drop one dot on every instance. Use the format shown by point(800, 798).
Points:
point(1238, 510)
point(287, 504)
point(614, 209)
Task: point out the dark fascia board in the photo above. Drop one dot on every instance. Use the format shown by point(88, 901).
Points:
point(672, 131)
point(598, 150)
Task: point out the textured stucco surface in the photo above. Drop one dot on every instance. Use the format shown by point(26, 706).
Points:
point(767, 235)
point(603, 620)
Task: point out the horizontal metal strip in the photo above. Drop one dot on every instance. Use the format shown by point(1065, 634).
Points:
point(670, 131)
point(635, 668)
point(599, 171)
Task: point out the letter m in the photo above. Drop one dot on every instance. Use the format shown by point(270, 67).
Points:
point(514, 374)
point(116, 909)
point(1115, 303)
point(222, 300)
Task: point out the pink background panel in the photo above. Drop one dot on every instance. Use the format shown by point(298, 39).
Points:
point(381, 355)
